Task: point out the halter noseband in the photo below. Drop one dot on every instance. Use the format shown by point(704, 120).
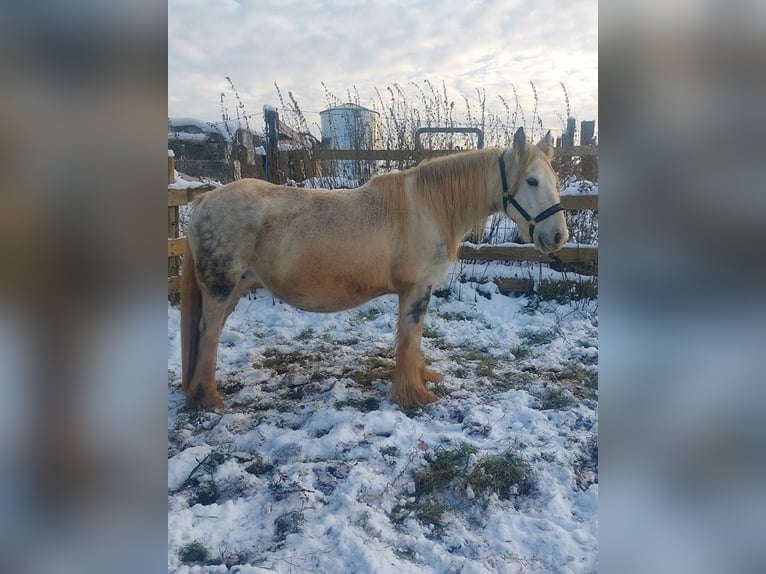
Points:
point(508, 198)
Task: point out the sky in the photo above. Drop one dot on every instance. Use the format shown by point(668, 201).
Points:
point(462, 45)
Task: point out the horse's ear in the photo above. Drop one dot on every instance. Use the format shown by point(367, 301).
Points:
point(520, 141)
point(546, 144)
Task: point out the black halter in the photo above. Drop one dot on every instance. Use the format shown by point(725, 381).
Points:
point(508, 198)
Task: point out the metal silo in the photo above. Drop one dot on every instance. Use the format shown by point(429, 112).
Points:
point(350, 127)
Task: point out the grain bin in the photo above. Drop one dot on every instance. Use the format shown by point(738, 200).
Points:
point(350, 127)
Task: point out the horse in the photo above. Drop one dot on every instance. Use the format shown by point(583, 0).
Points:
point(327, 251)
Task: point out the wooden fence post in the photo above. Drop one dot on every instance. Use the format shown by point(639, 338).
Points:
point(271, 118)
point(174, 263)
point(588, 164)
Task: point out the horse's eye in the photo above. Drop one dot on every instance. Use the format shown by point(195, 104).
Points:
point(532, 181)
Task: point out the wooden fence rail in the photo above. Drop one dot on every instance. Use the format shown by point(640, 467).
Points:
point(567, 254)
point(404, 154)
point(574, 254)
point(302, 164)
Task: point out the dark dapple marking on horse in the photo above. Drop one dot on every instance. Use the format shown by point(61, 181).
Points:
point(212, 259)
point(419, 307)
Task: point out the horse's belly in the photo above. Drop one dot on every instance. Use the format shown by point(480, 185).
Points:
point(325, 295)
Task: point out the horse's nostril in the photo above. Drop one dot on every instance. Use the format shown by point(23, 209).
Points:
point(557, 238)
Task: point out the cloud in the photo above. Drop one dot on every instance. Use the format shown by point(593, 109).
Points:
point(488, 44)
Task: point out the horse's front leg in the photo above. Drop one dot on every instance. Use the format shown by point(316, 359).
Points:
point(410, 373)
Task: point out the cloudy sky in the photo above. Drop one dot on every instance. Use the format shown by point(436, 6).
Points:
point(299, 44)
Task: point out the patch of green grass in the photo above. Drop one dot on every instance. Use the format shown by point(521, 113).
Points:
point(188, 417)
point(412, 412)
point(431, 333)
point(364, 405)
point(390, 450)
point(444, 466)
point(477, 360)
point(580, 381)
point(259, 466)
point(441, 344)
point(521, 352)
point(405, 553)
point(452, 471)
point(532, 338)
point(455, 316)
point(194, 553)
point(284, 362)
point(370, 313)
point(350, 342)
point(305, 335)
point(289, 523)
point(426, 511)
point(556, 399)
point(207, 465)
point(440, 390)
point(372, 369)
point(586, 464)
point(486, 367)
point(295, 393)
point(284, 406)
point(466, 355)
point(205, 493)
point(514, 380)
point(341, 339)
point(262, 406)
point(507, 475)
point(577, 373)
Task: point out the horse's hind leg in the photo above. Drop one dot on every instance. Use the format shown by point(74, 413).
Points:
point(246, 282)
point(202, 392)
point(410, 373)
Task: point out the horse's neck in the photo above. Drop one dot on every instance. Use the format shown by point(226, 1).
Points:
point(474, 200)
point(467, 197)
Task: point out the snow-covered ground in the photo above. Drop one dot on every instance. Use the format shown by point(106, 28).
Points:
point(311, 468)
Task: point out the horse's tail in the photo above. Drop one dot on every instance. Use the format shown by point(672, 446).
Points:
point(191, 313)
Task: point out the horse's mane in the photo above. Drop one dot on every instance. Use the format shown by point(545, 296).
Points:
point(452, 189)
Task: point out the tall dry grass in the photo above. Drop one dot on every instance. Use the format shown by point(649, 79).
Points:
point(403, 109)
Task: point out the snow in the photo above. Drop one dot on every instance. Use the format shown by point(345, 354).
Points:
point(261, 151)
point(193, 129)
point(187, 137)
point(311, 468)
point(182, 183)
point(330, 182)
point(580, 187)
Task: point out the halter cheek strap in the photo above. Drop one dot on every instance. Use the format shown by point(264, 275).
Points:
point(508, 197)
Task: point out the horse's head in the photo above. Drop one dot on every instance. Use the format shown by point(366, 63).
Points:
point(533, 200)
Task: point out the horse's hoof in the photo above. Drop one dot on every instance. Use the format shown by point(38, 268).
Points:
point(415, 398)
point(209, 401)
point(433, 376)
point(426, 398)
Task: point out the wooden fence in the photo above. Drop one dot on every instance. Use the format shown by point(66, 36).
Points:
point(303, 164)
point(580, 254)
